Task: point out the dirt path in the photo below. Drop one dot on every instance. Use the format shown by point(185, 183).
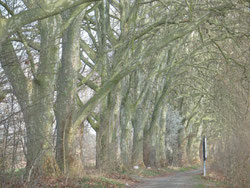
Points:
point(186, 179)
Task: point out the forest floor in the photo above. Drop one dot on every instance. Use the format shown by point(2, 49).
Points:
point(175, 177)
point(187, 177)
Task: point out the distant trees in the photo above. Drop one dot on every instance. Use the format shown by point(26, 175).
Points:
point(154, 69)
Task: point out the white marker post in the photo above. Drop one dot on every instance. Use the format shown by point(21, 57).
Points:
point(204, 154)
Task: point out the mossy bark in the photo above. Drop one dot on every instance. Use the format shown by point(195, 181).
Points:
point(65, 106)
point(138, 123)
point(35, 96)
point(125, 123)
point(107, 157)
point(151, 132)
point(161, 139)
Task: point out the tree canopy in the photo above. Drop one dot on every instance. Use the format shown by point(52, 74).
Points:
point(150, 77)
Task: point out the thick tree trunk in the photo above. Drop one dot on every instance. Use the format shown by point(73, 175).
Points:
point(125, 123)
point(138, 122)
point(181, 152)
point(65, 107)
point(36, 98)
point(190, 148)
point(114, 147)
point(152, 132)
point(102, 138)
point(193, 145)
point(38, 115)
point(107, 154)
point(125, 143)
point(162, 133)
point(151, 149)
point(126, 137)
point(39, 121)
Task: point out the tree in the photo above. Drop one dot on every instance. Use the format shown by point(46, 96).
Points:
point(146, 62)
point(35, 92)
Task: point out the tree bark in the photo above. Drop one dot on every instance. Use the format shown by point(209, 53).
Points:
point(150, 134)
point(138, 122)
point(107, 156)
point(102, 138)
point(161, 140)
point(35, 98)
point(65, 106)
point(125, 123)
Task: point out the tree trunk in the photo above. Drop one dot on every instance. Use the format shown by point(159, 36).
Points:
point(107, 153)
point(102, 137)
point(65, 106)
point(35, 98)
point(138, 122)
point(152, 132)
point(151, 149)
point(126, 129)
point(125, 139)
point(39, 121)
point(181, 151)
point(162, 133)
point(114, 147)
point(38, 115)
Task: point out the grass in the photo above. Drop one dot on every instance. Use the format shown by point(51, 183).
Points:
point(206, 181)
point(183, 169)
point(200, 186)
point(99, 182)
point(93, 181)
point(19, 172)
point(146, 172)
point(150, 173)
point(154, 172)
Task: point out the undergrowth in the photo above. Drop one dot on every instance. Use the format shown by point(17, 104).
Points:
point(93, 179)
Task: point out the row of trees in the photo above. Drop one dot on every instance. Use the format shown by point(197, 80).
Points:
point(145, 75)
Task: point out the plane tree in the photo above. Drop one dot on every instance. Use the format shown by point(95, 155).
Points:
point(33, 79)
point(130, 53)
